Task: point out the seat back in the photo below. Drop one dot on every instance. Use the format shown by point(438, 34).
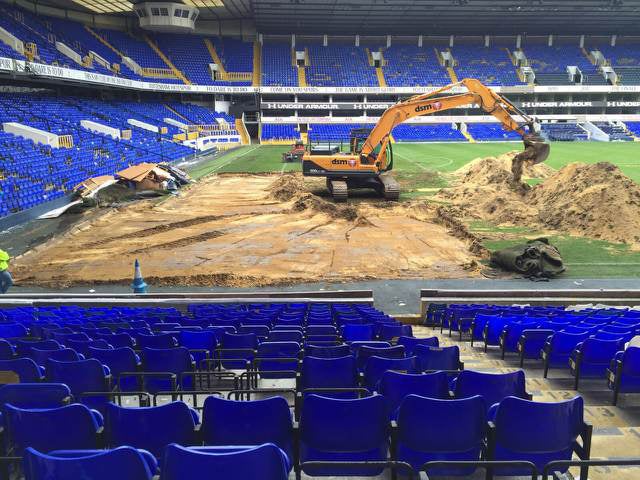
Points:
point(26, 369)
point(35, 395)
point(321, 351)
point(24, 347)
point(433, 429)
point(286, 336)
point(323, 424)
point(229, 422)
point(150, 428)
point(563, 343)
point(395, 386)
point(597, 351)
point(83, 346)
point(103, 465)
point(437, 358)
point(357, 332)
point(377, 366)
point(329, 373)
point(159, 341)
point(116, 340)
point(63, 355)
point(13, 330)
point(492, 387)
point(80, 376)
point(535, 431)
point(409, 343)
point(631, 362)
point(49, 429)
point(175, 360)
point(365, 352)
point(266, 462)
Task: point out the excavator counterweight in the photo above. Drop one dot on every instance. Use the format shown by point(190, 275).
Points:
point(370, 159)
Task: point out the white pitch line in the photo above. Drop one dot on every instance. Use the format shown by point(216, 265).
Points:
point(234, 159)
point(609, 264)
point(440, 165)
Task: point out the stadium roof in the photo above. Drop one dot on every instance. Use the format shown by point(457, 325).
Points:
point(411, 17)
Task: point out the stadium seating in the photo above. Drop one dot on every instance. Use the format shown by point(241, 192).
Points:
point(490, 132)
point(623, 375)
point(339, 66)
point(616, 133)
point(277, 68)
point(591, 358)
point(564, 132)
point(433, 132)
point(490, 65)
point(273, 131)
point(408, 65)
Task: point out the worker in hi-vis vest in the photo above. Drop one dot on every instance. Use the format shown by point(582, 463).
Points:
point(5, 277)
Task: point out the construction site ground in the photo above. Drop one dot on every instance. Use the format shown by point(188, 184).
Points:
point(245, 224)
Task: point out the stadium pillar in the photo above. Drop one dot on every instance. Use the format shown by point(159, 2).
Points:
point(550, 41)
point(581, 41)
point(325, 40)
point(293, 41)
point(388, 41)
point(518, 41)
point(357, 40)
point(420, 41)
point(487, 40)
point(614, 38)
point(450, 41)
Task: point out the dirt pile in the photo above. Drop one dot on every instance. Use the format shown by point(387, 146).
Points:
point(287, 186)
point(594, 200)
point(309, 201)
point(503, 163)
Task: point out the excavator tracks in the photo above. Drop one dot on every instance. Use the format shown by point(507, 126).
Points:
point(338, 189)
point(391, 188)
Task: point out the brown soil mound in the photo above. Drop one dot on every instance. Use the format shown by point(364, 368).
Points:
point(503, 163)
point(287, 186)
point(595, 200)
point(308, 201)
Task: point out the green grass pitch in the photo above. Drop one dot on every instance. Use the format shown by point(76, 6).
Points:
point(422, 169)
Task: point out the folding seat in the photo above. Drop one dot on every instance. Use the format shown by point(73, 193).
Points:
point(438, 358)
point(344, 430)
point(49, 429)
point(6, 350)
point(35, 395)
point(324, 375)
point(117, 340)
point(623, 375)
point(431, 429)
point(286, 336)
point(592, 358)
point(478, 325)
point(277, 357)
point(63, 338)
point(321, 330)
point(151, 428)
point(238, 349)
point(493, 330)
point(228, 422)
point(63, 355)
point(264, 462)
point(13, 330)
point(391, 331)
point(363, 354)
point(23, 347)
point(123, 462)
point(357, 332)
point(25, 368)
point(176, 361)
point(394, 386)
point(511, 334)
point(119, 360)
point(376, 366)
point(538, 432)
point(201, 344)
point(82, 347)
point(322, 351)
point(409, 343)
point(160, 341)
point(260, 331)
point(624, 329)
point(82, 376)
point(622, 337)
point(286, 322)
point(492, 387)
point(558, 348)
point(580, 329)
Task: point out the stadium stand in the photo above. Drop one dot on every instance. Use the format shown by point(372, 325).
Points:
point(319, 132)
point(490, 132)
point(430, 422)
point(273, 131)
point(412, 132)
point(615, 132)
point(277, 69)
point(339, 66)
point(490, 65)
point(564, 132)
point(408, 65)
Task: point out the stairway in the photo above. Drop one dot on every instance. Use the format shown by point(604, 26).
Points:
point(166, 60)
point(588, 56)
point(468, 136)
point(452, 75)
point(304, 136)
point(104, 42)
point(380, 74)
point(242, 130)
point(302, 77)
point(257, 64)
point(215, 57)
point(175, 112)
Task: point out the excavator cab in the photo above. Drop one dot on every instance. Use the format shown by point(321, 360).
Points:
point(357, 138)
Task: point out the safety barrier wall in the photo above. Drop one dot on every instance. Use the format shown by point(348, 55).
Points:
point(30, 133)
point(69, 52)
point(11, 40)
point(100, 128)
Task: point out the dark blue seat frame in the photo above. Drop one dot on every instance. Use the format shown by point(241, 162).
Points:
point(623, 375)
point(531, 342)
point(592, 358)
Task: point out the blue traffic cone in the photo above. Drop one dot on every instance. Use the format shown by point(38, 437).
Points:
point(138, 284)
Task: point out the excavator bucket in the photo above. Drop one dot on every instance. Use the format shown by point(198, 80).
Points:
point(536, 150)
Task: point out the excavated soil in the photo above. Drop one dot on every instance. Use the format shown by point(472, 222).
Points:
point(253, 230)
point(592, 200)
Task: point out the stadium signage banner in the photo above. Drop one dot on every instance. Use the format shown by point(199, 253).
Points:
point(323, 106)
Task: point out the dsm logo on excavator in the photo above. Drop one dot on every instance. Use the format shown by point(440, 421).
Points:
point(429, 106)
point(339, 162)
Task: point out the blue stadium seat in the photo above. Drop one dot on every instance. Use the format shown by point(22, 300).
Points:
point(7, 352)
point(26, 369)
point(364, 353)
point(356, 332)
point(327, 351)
point(49, 429)
point(124, 462)
point(266, 462)
point(531, 342)
point(376, 366)
point(592, 357)
point(119, 360)
point(35, 395)
point(323, 424)
point(395, 386)
point(63, 355)
point(159, 341)
point(13, 330)
point(286, 336)
point(326, 374)
point(204, 341)
point(539, 433)
point(624, 373)
point(431, 429)
point(164, 361)
point(558, 348)
point(438, 358)
point(228, 422)
point(492, 387)
point(281, 358)
point(238, 349)
point(151, 428)
point(23, 347)
point(81, 377)
point(392, 331)
point(410, 343)
point(117, 340)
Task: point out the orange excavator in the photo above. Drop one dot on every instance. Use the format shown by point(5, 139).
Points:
point(370, 159)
